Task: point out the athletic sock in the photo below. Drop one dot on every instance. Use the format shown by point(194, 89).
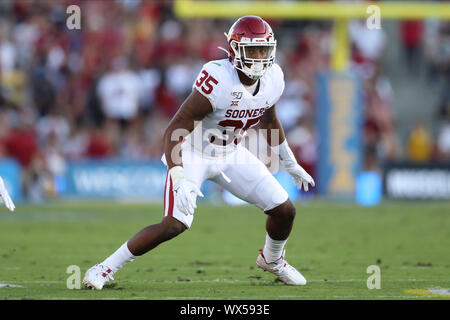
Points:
point(119, 258)
point(273, 249)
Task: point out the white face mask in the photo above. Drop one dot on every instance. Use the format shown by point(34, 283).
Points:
point(256, 70)
point(257, 67)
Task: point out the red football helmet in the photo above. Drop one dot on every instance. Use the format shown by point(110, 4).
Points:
point(251, 31)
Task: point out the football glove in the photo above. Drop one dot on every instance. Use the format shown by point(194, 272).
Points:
point(185, 191)
point(299, 175)
point(4, 196)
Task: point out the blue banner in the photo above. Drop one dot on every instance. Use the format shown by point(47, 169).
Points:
point(131, 180)
point(339, 121)
point(94, 179)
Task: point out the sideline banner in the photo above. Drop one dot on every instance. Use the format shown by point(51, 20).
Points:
point(120, 179)
point(417, 181)
point(339, 121)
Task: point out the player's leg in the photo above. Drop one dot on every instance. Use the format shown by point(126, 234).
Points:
point(278, 226)
point(174, 221)
point(173, 224)
point(143, 241)
point(151, 236)
point(251, 181)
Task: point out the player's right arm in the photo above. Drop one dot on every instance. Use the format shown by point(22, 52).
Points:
point(194, 108)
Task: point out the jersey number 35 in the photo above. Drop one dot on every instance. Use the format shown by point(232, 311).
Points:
point(205, 82)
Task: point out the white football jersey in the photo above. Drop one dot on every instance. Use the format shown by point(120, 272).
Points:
point(235, 110)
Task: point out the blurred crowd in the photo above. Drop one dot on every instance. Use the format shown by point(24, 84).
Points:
point(110, 89)
point(430, 40)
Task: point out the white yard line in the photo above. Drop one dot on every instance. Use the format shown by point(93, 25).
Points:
point(8, 285)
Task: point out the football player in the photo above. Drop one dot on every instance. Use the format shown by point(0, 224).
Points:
point(202, 142)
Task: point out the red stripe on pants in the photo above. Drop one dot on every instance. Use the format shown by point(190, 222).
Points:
point(165, 190)
point(170, 213)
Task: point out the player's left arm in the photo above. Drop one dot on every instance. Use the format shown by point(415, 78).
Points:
point(277, 141)
point(269, 121)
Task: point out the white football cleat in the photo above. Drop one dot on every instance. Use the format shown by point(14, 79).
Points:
point(96, 277)
point(282, 269)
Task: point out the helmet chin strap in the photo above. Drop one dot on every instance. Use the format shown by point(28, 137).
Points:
point(255, 72)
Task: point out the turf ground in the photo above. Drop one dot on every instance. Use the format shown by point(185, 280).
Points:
point(331, 244)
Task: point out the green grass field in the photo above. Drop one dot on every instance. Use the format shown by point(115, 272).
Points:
point(331, 244)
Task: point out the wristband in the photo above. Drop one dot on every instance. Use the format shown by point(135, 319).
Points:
point(177, 174)
point(285, 154)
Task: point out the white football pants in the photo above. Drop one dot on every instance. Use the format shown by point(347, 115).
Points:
point(251, 181)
